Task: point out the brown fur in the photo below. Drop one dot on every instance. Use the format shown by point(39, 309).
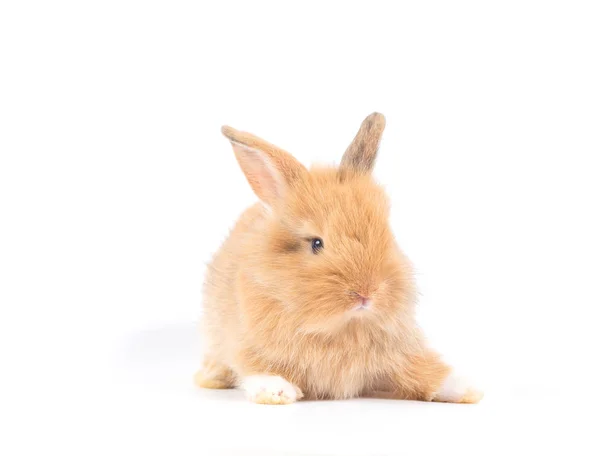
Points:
point(362, 151)
point(273, 307)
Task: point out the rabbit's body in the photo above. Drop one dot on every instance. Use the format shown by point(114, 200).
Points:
point(309, 295)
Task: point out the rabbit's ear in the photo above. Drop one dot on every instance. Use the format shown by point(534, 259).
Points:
point(270, 170)
point(361, 153)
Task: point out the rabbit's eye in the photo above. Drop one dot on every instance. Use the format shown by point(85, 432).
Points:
point(317, 244)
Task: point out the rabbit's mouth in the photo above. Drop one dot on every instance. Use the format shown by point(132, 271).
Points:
point(364, 304)
point(361, 302)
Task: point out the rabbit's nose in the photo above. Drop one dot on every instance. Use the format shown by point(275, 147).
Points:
point(364, 301)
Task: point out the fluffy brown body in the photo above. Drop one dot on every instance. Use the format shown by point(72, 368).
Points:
point(274, 306)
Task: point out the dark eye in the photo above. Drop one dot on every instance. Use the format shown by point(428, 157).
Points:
point(317, 244)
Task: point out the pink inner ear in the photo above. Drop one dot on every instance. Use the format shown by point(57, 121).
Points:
point(261, 175)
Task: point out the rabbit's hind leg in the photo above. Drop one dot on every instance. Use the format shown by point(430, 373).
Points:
point(214, 375)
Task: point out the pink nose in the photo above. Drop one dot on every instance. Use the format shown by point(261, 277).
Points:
point(364, 302)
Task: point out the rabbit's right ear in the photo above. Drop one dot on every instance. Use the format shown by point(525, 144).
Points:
point(270, 171)
point(362, 152)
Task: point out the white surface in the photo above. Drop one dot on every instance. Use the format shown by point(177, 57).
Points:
point(154, 378)
point(116, 186)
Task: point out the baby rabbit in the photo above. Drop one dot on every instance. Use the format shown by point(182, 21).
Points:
point(310, 296)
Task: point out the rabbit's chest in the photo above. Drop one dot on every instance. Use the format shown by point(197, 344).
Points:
point(339, 373)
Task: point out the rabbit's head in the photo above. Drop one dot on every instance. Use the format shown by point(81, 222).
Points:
point(325, 249)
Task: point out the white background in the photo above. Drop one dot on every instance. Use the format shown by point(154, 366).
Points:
point(116, 187)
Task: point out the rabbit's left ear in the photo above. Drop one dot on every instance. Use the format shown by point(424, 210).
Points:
point(361, 153)
point(270, 170)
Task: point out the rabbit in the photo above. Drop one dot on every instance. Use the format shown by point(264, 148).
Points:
point(309, 296)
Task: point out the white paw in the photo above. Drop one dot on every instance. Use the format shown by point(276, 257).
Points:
point(457, 389)
point(270, 389)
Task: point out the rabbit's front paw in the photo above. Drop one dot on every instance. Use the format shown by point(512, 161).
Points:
point(270, 389)
point(458, 390)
